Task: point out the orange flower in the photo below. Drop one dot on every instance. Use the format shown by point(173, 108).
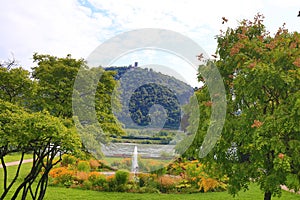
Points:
point(94, 164)
point(293, 45)
point(260, 37)
point(81, 176)
point(236, 48)
point(208, 184)
point(297, 62)
point(281, 155)
point(59, 171)
point(242, 36)
point(252, 65)
point(256, 124)
point(208, 103)
point(271, 45)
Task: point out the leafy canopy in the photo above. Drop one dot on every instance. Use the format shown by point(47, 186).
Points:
point(261, 137)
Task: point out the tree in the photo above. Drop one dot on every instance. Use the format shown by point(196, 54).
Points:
point(56, 78)
point(260, 141)
point(57, 94)
point(41, 134)
point(15, 84)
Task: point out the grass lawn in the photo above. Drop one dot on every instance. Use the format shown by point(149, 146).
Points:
point(16, 157)
point(60, 193)
point(64, 193)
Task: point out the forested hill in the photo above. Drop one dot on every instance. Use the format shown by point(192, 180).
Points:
point(140, 89)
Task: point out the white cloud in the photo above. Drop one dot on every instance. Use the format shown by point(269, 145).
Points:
point(52, 27)
point(60, 27)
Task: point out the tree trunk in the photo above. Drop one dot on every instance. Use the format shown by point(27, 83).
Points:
point(268, 196)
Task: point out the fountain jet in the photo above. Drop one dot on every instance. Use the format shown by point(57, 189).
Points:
point(135, 165)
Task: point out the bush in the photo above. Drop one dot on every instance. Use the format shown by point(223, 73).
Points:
point(121, 177)
point(61, 175)
point(148, 190)
point(211, 184)
point(87, 185)
point(83, 166)
point(122, 188)
point(97, 179)
point(168, 183)
point(111, 182)
point(145, 179)
point(68, 160)
point(94, 164)
point(81, 177)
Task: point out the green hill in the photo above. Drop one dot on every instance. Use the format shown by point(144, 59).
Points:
point(150, 99)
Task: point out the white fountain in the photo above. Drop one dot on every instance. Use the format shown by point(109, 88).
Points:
point(135, 165)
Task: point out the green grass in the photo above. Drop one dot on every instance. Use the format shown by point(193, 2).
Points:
point(11, 173)
point(60, 193)
point(15, 157)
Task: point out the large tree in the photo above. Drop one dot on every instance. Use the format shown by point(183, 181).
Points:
point(260, 141)
point(55, 77)
point(40, 134)
point(56, 94)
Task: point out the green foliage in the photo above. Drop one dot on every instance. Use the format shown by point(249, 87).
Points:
point(55, 78)
point(122, 177)
point(23, 131)
point(261, 134)
point(83, 166)
point(98, 180)
point(68, 159)
point(61, 176)
point(41, 134)
point(16, 86)
point(87, 185)
point(162, 89)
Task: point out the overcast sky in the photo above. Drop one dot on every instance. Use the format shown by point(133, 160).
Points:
point(77, 27)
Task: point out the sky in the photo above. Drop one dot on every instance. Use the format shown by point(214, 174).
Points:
point(77, 27)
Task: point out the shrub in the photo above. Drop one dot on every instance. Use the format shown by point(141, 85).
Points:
point(144, 179)
point(83, 166)
point(111, 182)
point(62, 175)
point(121, 177)
point(208, 184)
point(68, 160)
point(148, 190)
point(97, 179)
point(122, 188)
point(168, 183)
point(87, 185)
point(81, 177)
point(198, 175)
point(94, 164)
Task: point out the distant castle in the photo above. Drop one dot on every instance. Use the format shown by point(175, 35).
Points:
point(135, 65)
